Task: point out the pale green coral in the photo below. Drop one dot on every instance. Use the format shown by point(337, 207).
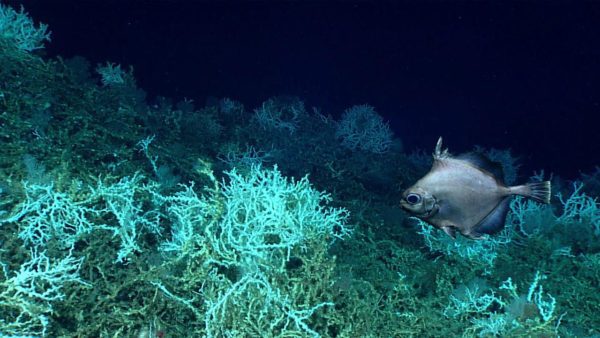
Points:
point(19, 29)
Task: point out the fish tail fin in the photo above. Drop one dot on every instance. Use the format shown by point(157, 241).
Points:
point(539, 191)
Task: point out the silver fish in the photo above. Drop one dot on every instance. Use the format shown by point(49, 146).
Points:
point(467, 194)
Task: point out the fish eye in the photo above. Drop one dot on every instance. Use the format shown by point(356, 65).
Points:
point(413, 198)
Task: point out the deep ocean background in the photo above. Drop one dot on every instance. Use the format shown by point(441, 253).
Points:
point(524, 76)
point(128, 210)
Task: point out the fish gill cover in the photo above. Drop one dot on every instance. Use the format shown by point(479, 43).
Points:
point(123, 215)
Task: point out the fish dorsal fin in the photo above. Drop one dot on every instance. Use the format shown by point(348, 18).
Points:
point(481, 161)
point(439, 153)
point(495, 220)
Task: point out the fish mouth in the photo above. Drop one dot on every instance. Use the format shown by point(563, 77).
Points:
point(424, 214)
point(427, 213)
point(430, 212)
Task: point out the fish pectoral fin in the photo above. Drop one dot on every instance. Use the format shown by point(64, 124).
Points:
point(495, 220)
point(450, 230)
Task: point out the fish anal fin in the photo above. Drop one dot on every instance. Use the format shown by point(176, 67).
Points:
point(494, 221)
point(450, 230)
point(476, 236)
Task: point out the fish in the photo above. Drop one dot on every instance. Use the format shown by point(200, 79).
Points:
point(466, 194)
